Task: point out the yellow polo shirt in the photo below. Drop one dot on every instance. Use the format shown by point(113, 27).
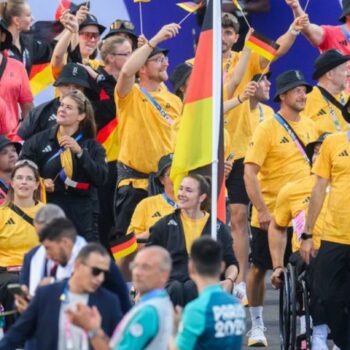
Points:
point(333, 164)
point(279, 158)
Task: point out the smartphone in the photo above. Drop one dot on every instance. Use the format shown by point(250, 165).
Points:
point(16, 289)
point(230, 157)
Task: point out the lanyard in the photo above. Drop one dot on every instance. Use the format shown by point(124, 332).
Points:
point(348, 135)
point(169, 201)
point(333, 113)
point(156, 104)
point(62, 149)
point(261, 113)
point(293, 136)
point(4, 186)
point(69, 344)
point(345, 32)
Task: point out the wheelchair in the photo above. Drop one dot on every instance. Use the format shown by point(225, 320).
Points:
point(293, 303)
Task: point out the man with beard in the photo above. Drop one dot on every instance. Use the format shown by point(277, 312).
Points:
point(147, 112)
point(8, 157)
point(276, 155)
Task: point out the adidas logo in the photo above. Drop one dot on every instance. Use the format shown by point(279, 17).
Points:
point(321, 112)
point(343, 42)
point(343, 154)
point(47, 149)
point(52, 117)
point(10, 221)
point(172, 222)
point(156, 215)
point(284, 140)
point(306, 200)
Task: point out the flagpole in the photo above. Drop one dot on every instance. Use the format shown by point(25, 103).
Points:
point(217, 87)
point(306, 6)
point(188, 15)
point(264, 72)
point(140, 11)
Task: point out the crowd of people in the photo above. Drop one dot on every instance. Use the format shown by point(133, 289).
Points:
point(99, 250)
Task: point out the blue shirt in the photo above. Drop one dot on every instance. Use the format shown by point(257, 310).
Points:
point(215, 320)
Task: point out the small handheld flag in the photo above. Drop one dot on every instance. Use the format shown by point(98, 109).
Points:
point(189, 6)
point(123, 246)
point(262, 45)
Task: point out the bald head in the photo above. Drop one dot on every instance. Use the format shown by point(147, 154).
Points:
point(160, 255)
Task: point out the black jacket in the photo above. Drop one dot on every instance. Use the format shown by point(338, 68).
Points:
point(168, 233)
point(39, 119)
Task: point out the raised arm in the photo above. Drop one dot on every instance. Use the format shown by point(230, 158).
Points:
point(139, 57)
point(313, 32)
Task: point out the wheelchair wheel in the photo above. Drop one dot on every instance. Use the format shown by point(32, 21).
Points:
point(306, 301)
point(287, 310)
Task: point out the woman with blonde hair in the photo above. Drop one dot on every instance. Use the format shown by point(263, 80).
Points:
point(17, 232)
point(71, 162)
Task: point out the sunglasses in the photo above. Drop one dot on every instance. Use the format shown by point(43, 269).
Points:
point(120, 23)
point(26, 162)
point(96, 271)
point(90, 35)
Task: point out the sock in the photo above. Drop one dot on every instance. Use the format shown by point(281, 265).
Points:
point(256, 316)
point(302, 324)
point(320, 331)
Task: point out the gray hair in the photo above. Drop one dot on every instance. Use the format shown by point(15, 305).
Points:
point(48, 213)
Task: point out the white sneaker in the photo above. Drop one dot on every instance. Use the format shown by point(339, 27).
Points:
point(240, 292)
point(319, 343)
point(256, 337)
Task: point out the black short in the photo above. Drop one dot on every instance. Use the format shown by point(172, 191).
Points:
point(260, 252)
point(126, 200)
point(237, 193)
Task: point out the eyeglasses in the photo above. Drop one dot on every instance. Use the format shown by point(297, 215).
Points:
point(161, 59)
point(96, 271)
point(90, 35)
point(120, 23)
point(27, 178)
point(26, 162)
point(126, 54)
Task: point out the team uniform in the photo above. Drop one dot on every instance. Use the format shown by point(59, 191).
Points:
point(215, 320)
point(327, 116)
point(147, 326)
point(17, 237)
point(146, 134)
point(280, 161)
point(149, 211)
point(332, 264)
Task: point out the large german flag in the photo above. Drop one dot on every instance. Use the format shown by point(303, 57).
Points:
point(195, 141)
point(262, 45)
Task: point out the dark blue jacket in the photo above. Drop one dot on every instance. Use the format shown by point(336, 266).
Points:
point(41, 319)
point(114, 281)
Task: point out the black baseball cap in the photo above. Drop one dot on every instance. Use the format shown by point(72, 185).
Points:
point(73, 73)
point(4, 141)
point(259, 76)
point(158, 50)
point(311, 146)
point(164, 163)
point(180, 74)
point(289, 80)
point(346, 10)
point(122, 26)
point(91, 20)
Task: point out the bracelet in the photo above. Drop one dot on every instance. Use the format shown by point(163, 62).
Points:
point(293, 31)
point(239, 100)
point(80, 154)
point(277, 267)
point(149, 44)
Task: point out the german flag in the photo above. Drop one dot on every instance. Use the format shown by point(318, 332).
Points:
point(123, 246)
point(196, 139)
point(40, 78)
point(190, 6)
point(262, 45)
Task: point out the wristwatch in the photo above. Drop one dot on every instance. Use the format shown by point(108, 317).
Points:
point(304, 236)
point(94, 333)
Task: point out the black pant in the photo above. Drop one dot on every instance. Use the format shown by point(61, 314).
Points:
point(126, 201)
point(106, 197)
point(332, 280)
point(6, 298)
point(181, 293)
